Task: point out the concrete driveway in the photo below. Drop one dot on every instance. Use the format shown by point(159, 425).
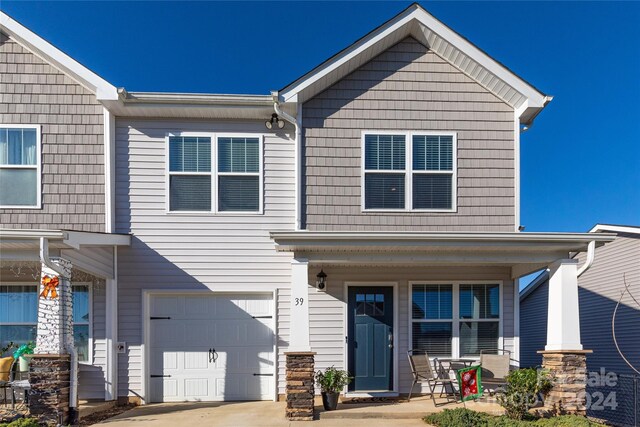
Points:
point(235, 414)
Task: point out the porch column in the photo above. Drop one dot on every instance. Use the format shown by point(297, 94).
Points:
point(299, 358)
point(52, 374)
point(299, 335)
point(563, 355)
point(563, 317)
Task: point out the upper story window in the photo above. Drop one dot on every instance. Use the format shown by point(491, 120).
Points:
point(234, 184)
point(409, 171)
point(19, 166)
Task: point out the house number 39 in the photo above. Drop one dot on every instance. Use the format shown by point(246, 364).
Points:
point(299, 301)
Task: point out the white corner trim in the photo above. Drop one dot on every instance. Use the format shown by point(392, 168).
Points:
point(42, 48)
point(109, 141)
point(516, 163)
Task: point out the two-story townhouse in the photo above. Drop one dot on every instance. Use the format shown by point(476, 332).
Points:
point(369, 208)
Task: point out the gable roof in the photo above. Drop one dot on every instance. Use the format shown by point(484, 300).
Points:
point(416, 22)
point(60, 60)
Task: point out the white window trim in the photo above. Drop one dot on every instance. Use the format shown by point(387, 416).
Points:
point(455, 322)
point(214, 173)
point(408, 170)
point(38, 166)
point(89, 360)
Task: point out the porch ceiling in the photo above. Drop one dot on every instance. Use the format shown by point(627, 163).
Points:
point(522, 252)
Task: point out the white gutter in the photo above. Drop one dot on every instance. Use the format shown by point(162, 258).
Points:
point(296, 122)
point(44, 256)
point(591, 256)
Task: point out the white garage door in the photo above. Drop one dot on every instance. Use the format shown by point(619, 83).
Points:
point(207, 347)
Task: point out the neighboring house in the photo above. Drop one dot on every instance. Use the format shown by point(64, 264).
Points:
point(203, 232)
point(600, 289)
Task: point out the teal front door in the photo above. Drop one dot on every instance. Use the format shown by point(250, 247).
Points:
point(370, 338)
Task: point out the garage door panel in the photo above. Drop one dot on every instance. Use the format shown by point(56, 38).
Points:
point(180, 347)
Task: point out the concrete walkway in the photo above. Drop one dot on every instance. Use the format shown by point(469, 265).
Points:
point(271, 414)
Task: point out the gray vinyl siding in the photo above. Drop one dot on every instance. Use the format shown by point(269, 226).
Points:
point(34, 92)
point(192, 251)
point(408, 87)
point(327, 309)
point(533, 326)
point(283, 326)
point(599, 290)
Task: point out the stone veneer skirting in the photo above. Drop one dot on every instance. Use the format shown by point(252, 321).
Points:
point(569, 369)
point(49, 375)
point(300, 390)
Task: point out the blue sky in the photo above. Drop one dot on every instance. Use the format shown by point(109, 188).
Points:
point(580, 161)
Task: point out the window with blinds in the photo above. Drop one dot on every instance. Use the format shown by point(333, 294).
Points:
point(451, 320)
point(189, 173)
point(19, 166)
point(384, 176)
point(419, 175)
point(479, 310)
point(227, 179)
point(238, 174)
point(432, 319)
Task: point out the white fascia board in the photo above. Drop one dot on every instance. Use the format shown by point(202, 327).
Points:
point(196, 98)
point(291, 95)
point(536, 99)
point(77, 239)
point(319, 236)
point(599, 228)
point(60, 60)
point(31, 234)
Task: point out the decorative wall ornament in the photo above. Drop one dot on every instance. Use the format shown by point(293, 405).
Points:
point(50, 284)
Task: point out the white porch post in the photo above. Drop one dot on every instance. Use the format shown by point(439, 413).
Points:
point(563, 318)
point(55, 315)
point(299, 338)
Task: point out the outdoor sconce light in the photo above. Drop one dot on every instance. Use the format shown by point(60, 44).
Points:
point(321, 280)
point(274, 120)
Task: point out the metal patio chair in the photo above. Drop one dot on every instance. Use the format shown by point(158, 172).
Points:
point(423, 372)
point(495, 368)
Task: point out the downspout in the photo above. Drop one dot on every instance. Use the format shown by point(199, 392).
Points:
point(297, 152)
point(591, 256)
point(73, 375)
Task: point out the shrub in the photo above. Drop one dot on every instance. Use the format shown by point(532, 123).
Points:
point(332, 380)
point(22, 422)
point(523, 387)
point(458, 417)
point(566, 421)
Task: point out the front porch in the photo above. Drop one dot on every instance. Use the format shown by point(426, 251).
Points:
point(451, 295)
point(58, 291)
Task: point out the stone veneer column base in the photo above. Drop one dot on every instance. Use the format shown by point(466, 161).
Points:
point(569, 369)
point(49, 375)
point(300, 390)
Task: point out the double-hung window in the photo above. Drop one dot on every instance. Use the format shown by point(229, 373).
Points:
point(479, 318)
point(189, 173)
point(455, 319)
point(225, 179)
point(409, 171)
point(238, 174)
point(19, 166)
point(19, 316)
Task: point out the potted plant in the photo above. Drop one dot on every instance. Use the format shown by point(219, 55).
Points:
point(331, 382)
point(21, 352)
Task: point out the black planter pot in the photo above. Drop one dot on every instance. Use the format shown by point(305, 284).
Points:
point(330, 400)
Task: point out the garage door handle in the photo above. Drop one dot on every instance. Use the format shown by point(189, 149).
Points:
point(262, 375)
point(160, 376)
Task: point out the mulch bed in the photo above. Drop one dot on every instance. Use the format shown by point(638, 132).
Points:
point(97, 417)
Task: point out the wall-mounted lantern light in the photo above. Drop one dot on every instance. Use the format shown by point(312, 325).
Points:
point(321, 280)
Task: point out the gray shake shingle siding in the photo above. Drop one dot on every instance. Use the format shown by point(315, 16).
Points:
point(408, 87)
point(34, 92)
